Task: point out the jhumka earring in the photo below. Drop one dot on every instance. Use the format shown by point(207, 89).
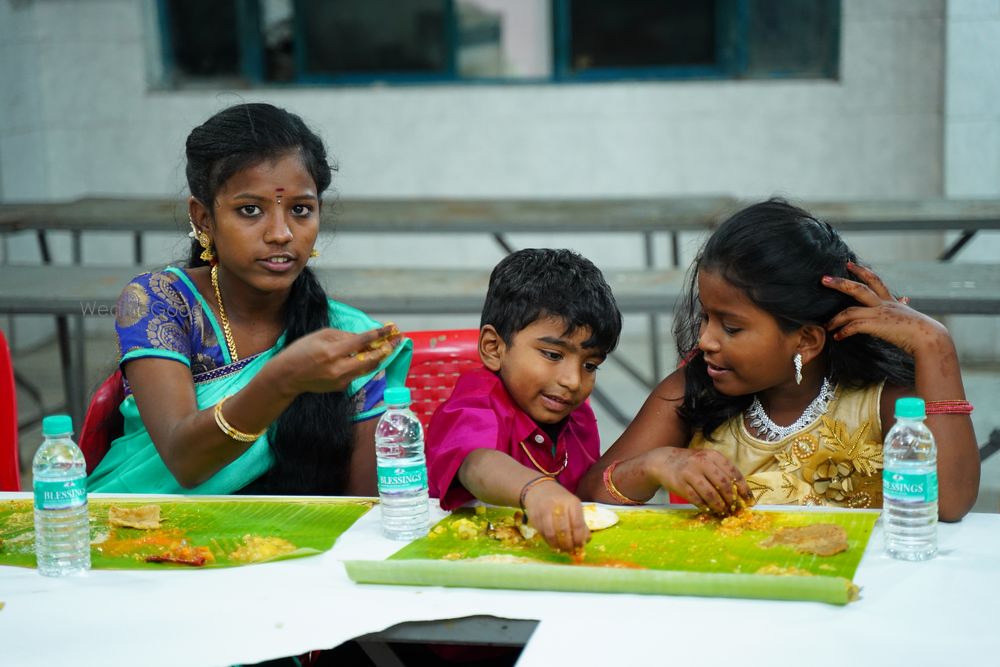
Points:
point(207, 252)
point(314, 253)
point(797, 360)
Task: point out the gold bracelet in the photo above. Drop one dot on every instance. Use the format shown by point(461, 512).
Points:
point(609, 484)
point(227, 428)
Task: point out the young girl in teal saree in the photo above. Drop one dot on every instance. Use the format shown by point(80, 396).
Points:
point(241, 375)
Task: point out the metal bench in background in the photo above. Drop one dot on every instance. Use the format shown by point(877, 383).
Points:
point(77, 292)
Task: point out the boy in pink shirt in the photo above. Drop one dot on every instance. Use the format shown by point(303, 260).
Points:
point(522, 420)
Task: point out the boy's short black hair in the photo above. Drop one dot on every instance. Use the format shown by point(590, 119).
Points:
point(541, 282)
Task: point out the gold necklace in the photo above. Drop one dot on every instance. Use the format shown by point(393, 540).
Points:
point(540, 468)
point(230, 343)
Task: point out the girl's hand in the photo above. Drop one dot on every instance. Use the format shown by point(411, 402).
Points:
point(704, 476)
point(329, 359)
point(880, 314)
point(558, 515)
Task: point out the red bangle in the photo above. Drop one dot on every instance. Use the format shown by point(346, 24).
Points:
point(948, 408)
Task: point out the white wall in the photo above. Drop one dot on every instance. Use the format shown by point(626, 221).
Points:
point(972, 142)
point(79, 116)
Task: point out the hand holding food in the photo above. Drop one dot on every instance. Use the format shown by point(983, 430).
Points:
point(705, 477)
point(329, 359)
point(558, 515)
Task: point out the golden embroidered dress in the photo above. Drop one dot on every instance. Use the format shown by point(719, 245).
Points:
point(835, 460)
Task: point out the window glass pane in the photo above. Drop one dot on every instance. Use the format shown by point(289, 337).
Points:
point(276, 26)
point(641, 33)
point(203, 38)
point(793, 37)
point(503, 39)
point(374, 36)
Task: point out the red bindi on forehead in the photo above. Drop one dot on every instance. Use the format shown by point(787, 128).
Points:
point(279, 189)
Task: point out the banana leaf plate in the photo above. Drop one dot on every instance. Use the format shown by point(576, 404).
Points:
point(207, 532)
point(650, 551)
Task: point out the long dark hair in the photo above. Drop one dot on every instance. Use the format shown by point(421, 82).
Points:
point(777, 254)
point(312, 440)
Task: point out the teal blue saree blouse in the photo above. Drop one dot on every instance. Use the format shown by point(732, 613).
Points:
point(162, 315)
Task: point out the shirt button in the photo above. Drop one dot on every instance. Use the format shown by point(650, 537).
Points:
point(540, 439)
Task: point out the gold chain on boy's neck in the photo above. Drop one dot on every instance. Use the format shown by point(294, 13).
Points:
point(550, 473)
point(230, 342)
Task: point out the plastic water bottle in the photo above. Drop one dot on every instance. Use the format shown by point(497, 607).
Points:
point(62, 525)
point(402, 469)
point(909, 485)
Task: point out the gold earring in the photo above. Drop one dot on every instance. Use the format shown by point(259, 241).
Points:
point(207, 253)
point(314, 253)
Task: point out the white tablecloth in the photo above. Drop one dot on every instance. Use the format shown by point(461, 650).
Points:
point(944, 611)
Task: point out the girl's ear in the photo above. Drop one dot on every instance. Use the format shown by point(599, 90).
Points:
point(199, 215)
point(491, 347)
point(812, 338)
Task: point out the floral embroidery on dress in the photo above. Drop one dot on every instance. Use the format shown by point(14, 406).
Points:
point(844, 468)
point(757, 487)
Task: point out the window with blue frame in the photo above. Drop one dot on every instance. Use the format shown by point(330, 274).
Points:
point(260, 42)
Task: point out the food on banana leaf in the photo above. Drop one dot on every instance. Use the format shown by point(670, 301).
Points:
point(744, 519)
point(503, 558)
point(599, 518)
point(822, 539)
point(256, 548)
point(184, 554)
point(146, 517)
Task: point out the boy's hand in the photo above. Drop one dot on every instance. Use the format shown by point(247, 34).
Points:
point(703, 476)
point(558, 515)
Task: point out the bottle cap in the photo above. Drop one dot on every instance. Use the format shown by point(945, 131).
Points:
point(57, 425)
point(397, 396)
point(910, 408)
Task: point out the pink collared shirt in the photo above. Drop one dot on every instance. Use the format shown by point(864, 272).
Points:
point(480, 414)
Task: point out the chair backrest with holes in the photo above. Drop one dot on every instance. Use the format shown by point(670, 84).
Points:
point(439, 358)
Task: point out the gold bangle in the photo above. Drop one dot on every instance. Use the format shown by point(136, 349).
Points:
point(227, 428)
point(609, 484)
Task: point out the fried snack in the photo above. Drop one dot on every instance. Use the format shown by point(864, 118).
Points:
point(822, 539)
point(146, 517)
point(375, 347)
point(184, 554)
point(256, 548)
point(599, 518)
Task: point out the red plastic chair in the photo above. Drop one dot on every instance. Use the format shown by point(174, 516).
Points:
point(103, 422)
point(10, 464)
point(439, 357)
